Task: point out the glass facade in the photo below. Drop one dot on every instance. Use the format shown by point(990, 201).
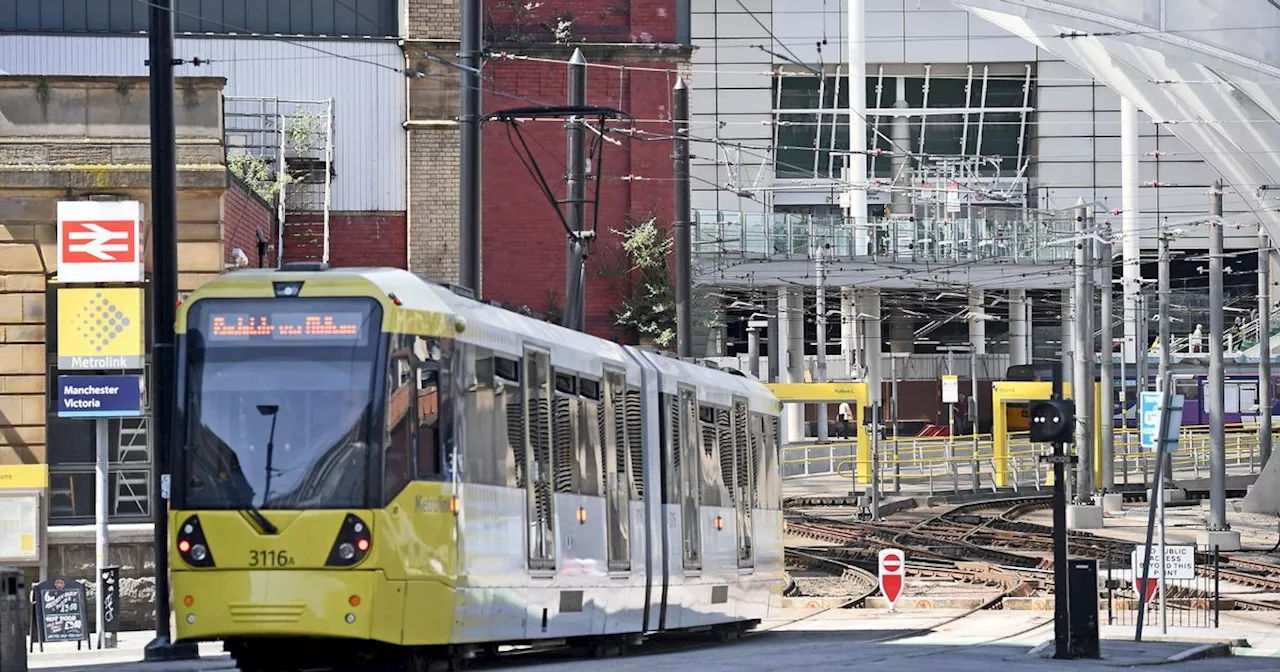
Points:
point(978, 116)
point(362, 18)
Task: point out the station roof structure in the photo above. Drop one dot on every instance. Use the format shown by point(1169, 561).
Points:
point(1207, 69)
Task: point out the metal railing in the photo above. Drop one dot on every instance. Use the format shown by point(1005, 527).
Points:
point(949, 463)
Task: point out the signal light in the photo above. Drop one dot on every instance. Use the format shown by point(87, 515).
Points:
point(192, 545)
point(582, 515)
point(1052, 421)
point(188, 601)
point(354, 600)
point(353, 543)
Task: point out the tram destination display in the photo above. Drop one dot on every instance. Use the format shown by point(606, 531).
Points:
point(301, 322)
point(60, 613)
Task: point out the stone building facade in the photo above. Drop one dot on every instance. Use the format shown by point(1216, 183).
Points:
point(82, 138)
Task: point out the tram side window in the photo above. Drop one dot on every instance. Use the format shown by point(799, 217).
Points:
point(489, 457)
point(435, 409)
point(398, 433)
point(761, 457)
point(586, 459)
point(669, 423)
point(507, 378)
point(709, 455)
point(564, 430)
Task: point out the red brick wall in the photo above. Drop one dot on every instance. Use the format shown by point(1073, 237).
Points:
point(592, 20)
point(243, 215)
point(523, 239)
point(355, 239)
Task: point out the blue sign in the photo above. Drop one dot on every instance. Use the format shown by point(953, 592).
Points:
point(1149, 419)
point(100, 396)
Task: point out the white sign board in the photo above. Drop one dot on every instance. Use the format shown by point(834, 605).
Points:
point(20, 528)
point(1179, 562)
point(99, 241)
point(950, 389)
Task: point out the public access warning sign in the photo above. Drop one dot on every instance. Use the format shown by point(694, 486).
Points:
point(893, 570)
point(99, 241)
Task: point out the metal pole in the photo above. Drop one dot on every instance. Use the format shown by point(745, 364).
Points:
point(893, 415)
point(973, 414)
point(101, 504)
point(1107, 411)
point(680, 226)
point(1217, 426)
point(164, 301)
point(576, 181)
point(1164, 297)
point(469, 84)
point(875, 461)
point(1162, 437)
point(1164, 612)
point(1264, 346)
point(1061, 613)
point(753, 351)
point(1082, 379)
point(821, 325)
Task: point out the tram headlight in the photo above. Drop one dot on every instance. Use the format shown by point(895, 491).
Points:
point(346, 551)
point(199, 552)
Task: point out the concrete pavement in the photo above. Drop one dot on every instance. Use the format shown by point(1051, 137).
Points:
point(916, 641)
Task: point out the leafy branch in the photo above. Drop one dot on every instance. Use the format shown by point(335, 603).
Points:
point(256, 172)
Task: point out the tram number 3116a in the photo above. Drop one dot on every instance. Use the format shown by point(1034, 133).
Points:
point(269, 559)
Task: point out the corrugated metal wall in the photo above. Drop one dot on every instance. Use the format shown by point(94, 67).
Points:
point(364, 79)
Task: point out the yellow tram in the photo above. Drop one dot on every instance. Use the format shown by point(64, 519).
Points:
point(374, 468)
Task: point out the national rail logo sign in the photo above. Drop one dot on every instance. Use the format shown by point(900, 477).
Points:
point(100, 329)
point(99, 241)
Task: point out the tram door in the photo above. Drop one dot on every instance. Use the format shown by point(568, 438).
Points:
point(743, 487)
point(541, 502)
point(690, 474)
point(614, 445)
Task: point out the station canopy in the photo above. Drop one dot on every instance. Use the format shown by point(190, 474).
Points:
point(1208, 69)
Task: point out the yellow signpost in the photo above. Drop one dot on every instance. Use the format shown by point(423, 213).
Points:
point(834, 393)
point(100, 328)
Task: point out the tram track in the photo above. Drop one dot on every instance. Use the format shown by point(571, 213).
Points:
point(990, 531)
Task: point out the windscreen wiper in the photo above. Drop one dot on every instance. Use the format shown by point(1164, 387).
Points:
point(267, 526)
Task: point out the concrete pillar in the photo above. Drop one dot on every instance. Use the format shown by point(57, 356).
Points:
point(978, 322)
point(902, 335)
point(901, 134)
point(791, 357)
point(869, 303)
point(1130, 181)
point(775, 340)
point(1018, 323)
point(848, 332)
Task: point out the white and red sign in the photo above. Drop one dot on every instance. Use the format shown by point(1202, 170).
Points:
point(893, 571)
point(99, 241)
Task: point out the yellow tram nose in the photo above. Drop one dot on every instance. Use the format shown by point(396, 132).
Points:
point(269, 602)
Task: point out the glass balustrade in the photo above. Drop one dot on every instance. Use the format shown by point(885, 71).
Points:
point(790, 236)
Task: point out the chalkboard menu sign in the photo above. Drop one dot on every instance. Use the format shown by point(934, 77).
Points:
point(59, 612)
